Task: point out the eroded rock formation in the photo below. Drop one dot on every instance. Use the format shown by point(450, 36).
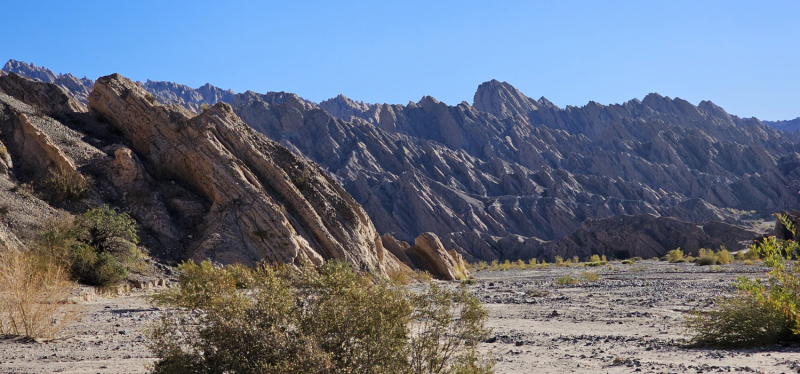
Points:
point(266, 201)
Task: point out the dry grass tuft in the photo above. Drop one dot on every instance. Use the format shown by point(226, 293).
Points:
point(33, 295)
point(66, 184)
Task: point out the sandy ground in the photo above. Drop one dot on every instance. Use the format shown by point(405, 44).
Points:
point(109, 338)
point(628, 321)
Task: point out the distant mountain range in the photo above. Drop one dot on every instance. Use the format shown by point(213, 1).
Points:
point(512, 177)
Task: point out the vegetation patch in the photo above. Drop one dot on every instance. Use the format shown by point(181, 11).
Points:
point(33, 295)
point(762, 312)
point(65, 184)
point(98, 247)
point(314, 320)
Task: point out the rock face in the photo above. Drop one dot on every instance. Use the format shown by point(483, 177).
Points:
point(266, 202)
point(431, 167)
point(430, 255)
point(165, 92)
point(622, 236)
point(522, 170)
point(442, 264)
point(502, 100)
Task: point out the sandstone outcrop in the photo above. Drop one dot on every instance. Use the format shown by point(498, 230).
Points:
point(442, 264)
point(430, 255)
point(267, 203)
point(49, 98)
point(78, 88)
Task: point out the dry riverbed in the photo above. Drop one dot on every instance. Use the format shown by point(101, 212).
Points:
point(630, 320)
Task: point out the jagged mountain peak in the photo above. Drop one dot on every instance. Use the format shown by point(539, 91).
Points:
point(502, 100)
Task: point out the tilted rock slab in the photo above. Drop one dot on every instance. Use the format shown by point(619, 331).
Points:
point(267, 203)
point(430, 255)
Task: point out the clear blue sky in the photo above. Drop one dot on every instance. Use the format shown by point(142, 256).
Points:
point(744, 56)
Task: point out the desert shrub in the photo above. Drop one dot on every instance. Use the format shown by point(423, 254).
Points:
point(65, 184)
point(786, 221)
point(519, 264)
point(495, 265)
point(98, 247)
point(590, 276)
point(567, 279)
point(705, 257)
point(314, 320)
point(709, 257)
point(747, 262)
point(724, 256)
point(505, 265)
point(763, 312)
point(421, 276)
point(675, 255)
point(594, 258)
point(559, 261)
point(740, 321)
point(150, 98)
point(33, 291)
point(627, 262)
point(575, 259)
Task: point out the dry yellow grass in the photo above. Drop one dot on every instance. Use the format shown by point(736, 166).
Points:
point(33, 295)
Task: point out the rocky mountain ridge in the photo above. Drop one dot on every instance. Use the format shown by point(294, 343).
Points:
point(201, 186)
point(791, 125)
point(512, 167)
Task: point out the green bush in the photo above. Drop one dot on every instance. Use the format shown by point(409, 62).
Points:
point(313, 320)
point(740, 321)
point(98, 247)
point(705, 257)
point(675, 255)
point(764, 312)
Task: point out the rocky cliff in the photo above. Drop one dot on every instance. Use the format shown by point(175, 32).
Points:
point(512, 167)
point(266, 202)
point(201, 186)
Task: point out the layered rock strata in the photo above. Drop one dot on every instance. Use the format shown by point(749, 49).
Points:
point(266, 202)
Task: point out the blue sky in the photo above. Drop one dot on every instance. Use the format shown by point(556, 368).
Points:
point(744, 56)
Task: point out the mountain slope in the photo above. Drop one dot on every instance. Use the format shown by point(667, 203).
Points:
point(512, 167)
